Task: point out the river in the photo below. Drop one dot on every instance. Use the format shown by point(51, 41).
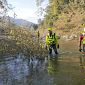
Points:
point(64, 69)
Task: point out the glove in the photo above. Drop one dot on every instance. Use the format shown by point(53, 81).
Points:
point(58, 46)
point(80, 49)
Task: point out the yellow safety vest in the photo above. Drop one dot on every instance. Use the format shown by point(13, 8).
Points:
point(83, 40)
point(51, 39)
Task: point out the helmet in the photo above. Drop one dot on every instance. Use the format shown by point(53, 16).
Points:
point(84, 29)
point(83, 32)
point(49, 29)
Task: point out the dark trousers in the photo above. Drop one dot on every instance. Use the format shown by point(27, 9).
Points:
point(52, 46)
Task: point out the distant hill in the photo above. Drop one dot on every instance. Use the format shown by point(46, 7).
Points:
point(23, 23)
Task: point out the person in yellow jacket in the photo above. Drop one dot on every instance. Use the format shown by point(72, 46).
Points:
point(52, 41)
point(82, 41)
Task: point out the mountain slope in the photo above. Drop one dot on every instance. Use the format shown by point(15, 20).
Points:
point(23, 23)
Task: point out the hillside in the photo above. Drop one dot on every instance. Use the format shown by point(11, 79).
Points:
point(24, 23)
point(19, 22)
point(67, 16)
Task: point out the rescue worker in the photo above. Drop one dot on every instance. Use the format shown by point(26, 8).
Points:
point(51, 41)
point(82, 41)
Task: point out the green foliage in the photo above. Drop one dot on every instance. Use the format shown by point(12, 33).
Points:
point(66, 14)
point(21, 40)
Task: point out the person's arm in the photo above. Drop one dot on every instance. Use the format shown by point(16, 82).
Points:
point(80, 42)
point(46, 41)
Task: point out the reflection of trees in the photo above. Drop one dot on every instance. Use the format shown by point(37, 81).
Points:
point(53, 66)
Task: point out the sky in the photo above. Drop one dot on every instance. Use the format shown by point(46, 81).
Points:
point(25, 9)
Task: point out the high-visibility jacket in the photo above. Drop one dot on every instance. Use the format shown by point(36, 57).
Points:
point(53, 39)
point(83, 40)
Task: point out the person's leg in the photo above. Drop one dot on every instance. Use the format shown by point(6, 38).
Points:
point(84, 48)
point(50, 50)
point(55, 49)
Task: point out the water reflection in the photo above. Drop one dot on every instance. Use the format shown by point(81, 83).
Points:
point(20, 70)
point(82, 63)
point(53, 66)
